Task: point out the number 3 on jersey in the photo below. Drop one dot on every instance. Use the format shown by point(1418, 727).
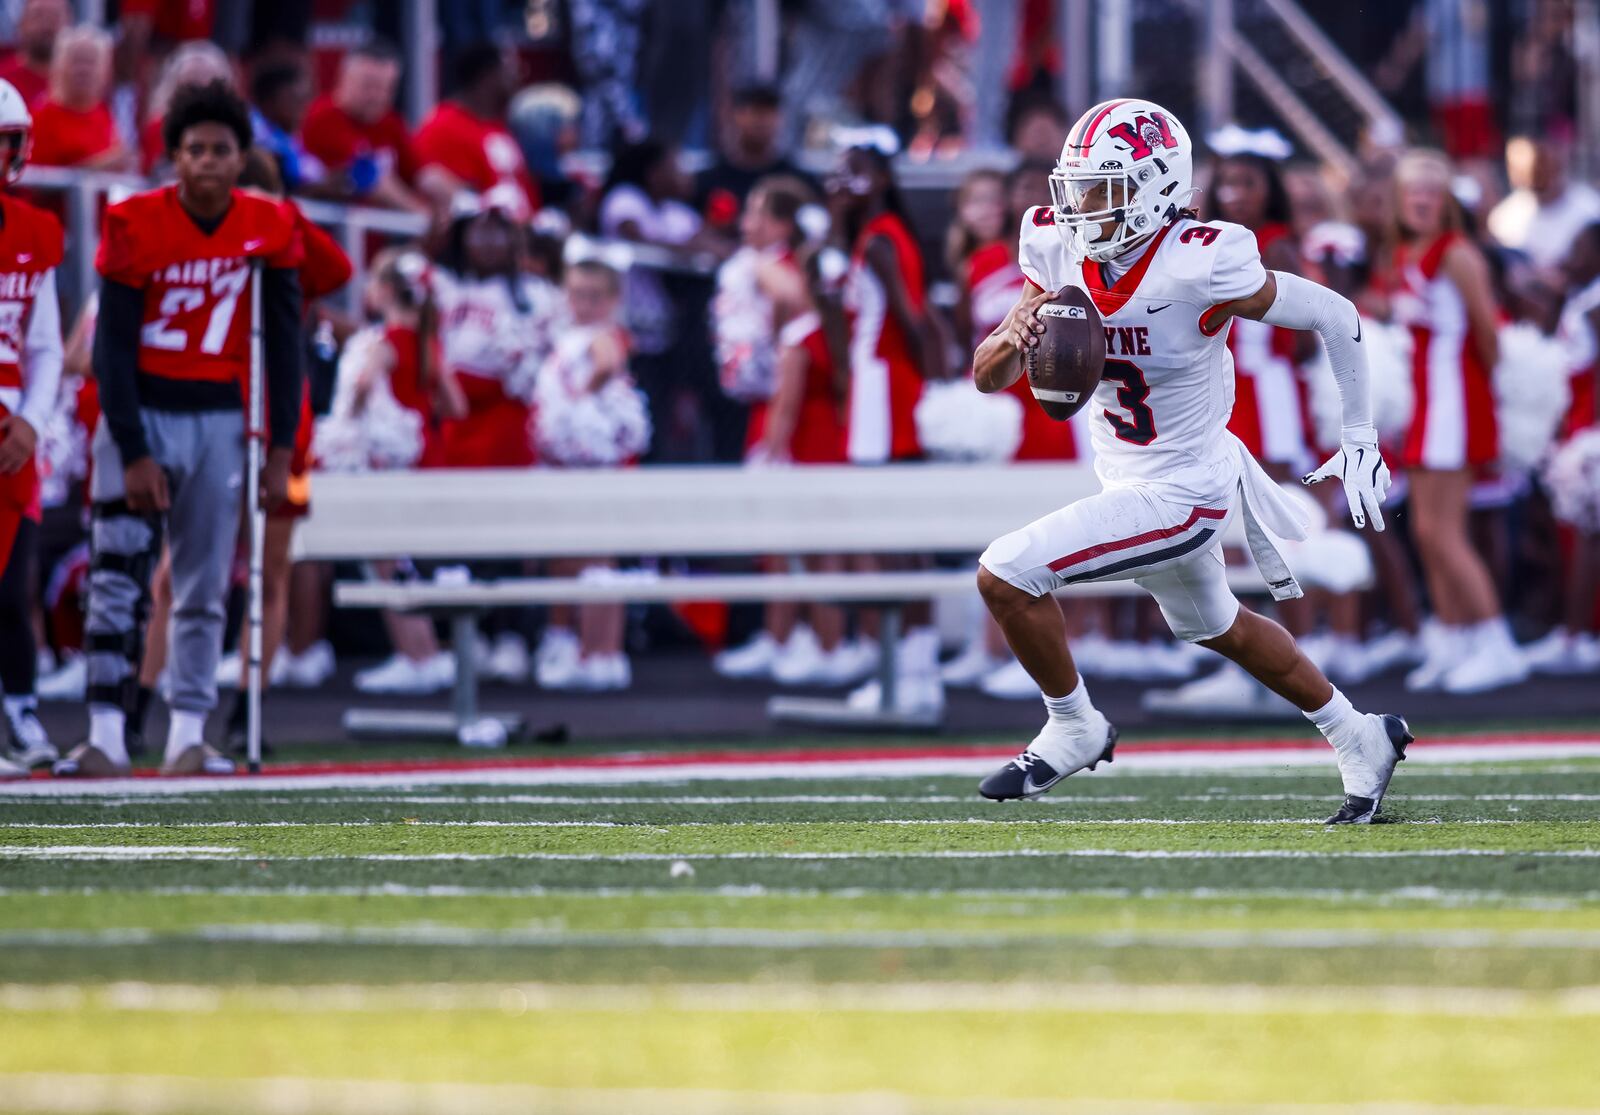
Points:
point(1140, 429)
point(186, 301)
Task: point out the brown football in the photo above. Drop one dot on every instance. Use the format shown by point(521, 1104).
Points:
point(1065, 367)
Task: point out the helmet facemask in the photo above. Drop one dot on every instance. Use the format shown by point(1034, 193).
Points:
point(1086, 198)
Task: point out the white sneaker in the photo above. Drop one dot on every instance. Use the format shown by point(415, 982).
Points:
point(1157, 660)
point(1347, 661)
point(1562, 654)
point(1366, 767)
point(799, 659)
point(1391, 649)
point(67, 683)
point(859, 658)
point(1010, 683)
point(30, 743)
point(1488, 667)
point(231, 666)
point(912, 694)
point(839, 666)
point(13, 772)
point(228, 667)
point(753, 660)
point(1443, 648)
point(1228, 692)
point(603, 672)
point(969, 667)
point(1055, 753)
point(404, 676)
point(508, 660)
point(310, 670)
point(555, 663)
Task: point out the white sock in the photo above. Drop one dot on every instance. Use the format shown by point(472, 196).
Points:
point(16, 706)
point(1338, 721)
point(185, 729)
point(106, 725)
point(1073, 709)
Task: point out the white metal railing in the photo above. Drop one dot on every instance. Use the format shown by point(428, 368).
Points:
point(84, 193)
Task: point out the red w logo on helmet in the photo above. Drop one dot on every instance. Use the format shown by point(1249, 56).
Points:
point(1144, 134)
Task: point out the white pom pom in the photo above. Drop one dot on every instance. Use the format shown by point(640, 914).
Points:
point(957, 422)
point(1573, 480)
point(1532, 392)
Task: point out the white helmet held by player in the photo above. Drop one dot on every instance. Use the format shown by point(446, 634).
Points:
point(1127, 161)
point(16, 132)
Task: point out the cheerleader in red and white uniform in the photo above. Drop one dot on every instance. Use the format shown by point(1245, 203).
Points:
point(773, 355)
point(894, 347)
point(494, 330)
point(1440, 288)
point(589, 414)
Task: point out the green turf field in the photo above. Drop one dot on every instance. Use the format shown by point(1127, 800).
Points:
point(1139, 942)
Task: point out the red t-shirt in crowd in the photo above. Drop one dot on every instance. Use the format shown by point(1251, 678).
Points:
point(337, 138)
point(482, 153)
point(33, 85)
point(65, 137)
point(175, 19)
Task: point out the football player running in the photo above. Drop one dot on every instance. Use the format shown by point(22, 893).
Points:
point(1172, 476)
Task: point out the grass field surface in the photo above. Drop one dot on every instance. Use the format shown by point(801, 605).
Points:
point(1161, 940)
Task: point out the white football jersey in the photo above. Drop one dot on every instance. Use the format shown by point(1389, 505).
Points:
point(1160, 414)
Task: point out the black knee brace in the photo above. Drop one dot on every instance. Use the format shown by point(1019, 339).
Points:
point(124, 548)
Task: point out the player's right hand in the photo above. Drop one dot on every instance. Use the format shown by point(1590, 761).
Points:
point(144, 486)
point(1024, 327)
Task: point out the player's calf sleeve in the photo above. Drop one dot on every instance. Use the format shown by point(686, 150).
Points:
point(124, 546)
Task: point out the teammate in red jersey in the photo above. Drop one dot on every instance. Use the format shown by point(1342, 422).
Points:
point(171, 354)
point(30, 371)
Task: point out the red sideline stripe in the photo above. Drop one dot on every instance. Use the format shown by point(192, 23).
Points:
point(752, 756)
point(1103, 548)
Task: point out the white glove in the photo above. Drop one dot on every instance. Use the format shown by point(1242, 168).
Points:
point(1366, 478)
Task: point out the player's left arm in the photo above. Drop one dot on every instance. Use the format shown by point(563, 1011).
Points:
point(1297, 303)
point(281, 344)
point(42, 357)
point(919, 325)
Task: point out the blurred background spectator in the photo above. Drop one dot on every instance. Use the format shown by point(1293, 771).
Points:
point(38, 24)
point(72, 125)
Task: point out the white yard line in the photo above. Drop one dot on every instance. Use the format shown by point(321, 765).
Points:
point(446, 936)
point(666, 825)
point(1131, 761)
point(71, 1094)
point(201, 853)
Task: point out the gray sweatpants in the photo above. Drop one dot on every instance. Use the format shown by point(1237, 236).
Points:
point(203, 455)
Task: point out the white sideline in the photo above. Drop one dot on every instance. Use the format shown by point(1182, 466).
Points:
point(1130, 761)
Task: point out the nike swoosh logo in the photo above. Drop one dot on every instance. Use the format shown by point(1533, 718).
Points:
point(1358, 330)
point(1155, 309)
point(252, 245)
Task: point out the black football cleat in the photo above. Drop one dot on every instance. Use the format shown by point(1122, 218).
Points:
point(1029, 775)
point(1380, 759)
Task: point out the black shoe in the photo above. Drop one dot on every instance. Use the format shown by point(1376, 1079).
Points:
point(1029, 776)
point(1362, 811)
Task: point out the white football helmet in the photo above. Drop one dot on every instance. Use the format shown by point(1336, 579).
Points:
point(1141, 159)
point(16, 126)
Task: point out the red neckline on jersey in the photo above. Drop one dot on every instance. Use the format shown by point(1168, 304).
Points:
point(1109, 299)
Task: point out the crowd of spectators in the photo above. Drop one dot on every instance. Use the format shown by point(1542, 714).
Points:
point(775, 299)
